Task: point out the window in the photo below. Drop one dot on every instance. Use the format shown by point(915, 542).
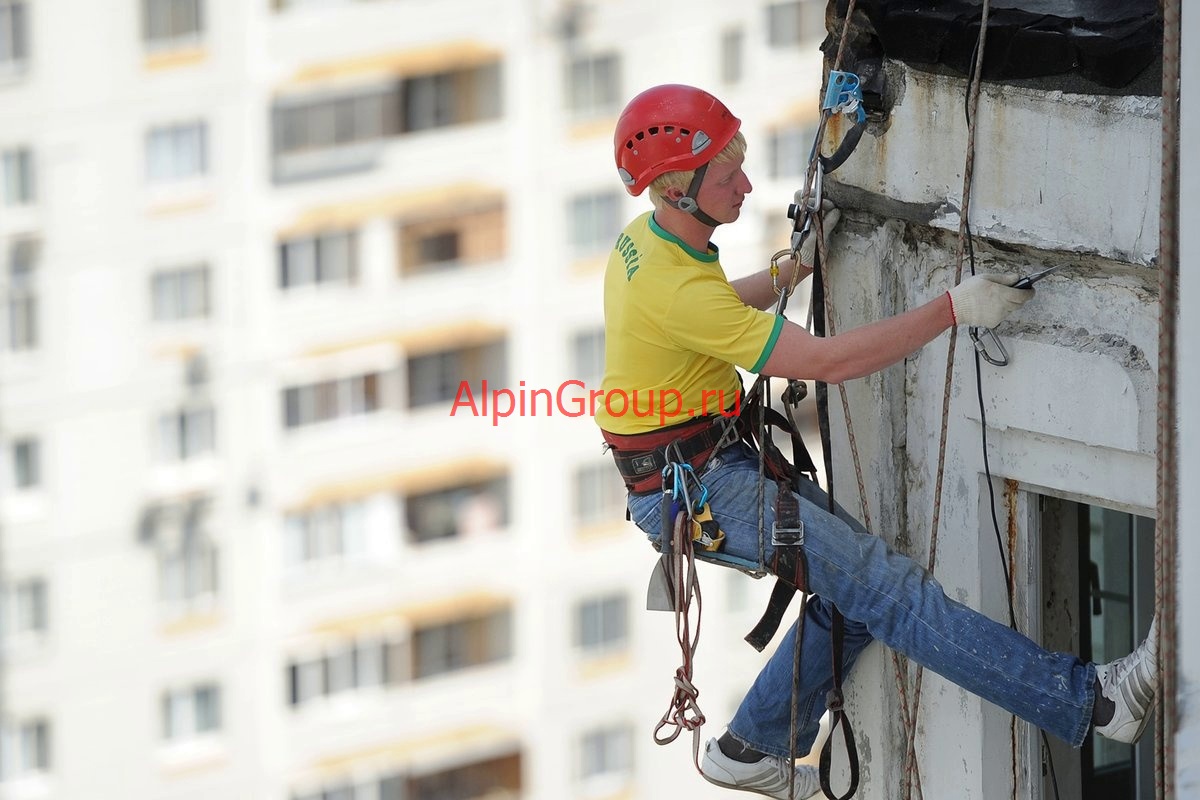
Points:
point(24, 748)
point(330, 532)
point(460, 511)
point(498, 777)
point(602, 623)
point(352, 665)
point(732, 45)
point(606, 751)
point(474, 234)
point(594, 222)
point(188, 572)
point(455, 97)
point(191, 712)
point(27, 463)
point(436, 377)
point(587, 356)
point(186, 433)
point(22, 304)
point(176, 152)
point(172, 22)
point(795, 22)
point(599, 494)
point(321, 258)
point(18, 176)
point(593, 85)
point(789, 148)
point(24, 607)
point(461, 644)
point(356, 787)
point(1098, 588)
point(329, 400)
point(14, 34)
point(304, 124)
point(180, 293)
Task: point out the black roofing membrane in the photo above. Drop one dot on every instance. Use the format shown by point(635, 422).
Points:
point(1109, 42)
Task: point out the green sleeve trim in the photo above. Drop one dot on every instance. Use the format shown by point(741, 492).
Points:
point(769, 346)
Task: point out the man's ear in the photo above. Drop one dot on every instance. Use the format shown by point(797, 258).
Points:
point(673, 194)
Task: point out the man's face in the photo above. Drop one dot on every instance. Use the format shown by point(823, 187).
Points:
point(724, 188)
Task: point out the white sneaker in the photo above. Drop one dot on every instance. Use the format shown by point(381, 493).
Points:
point(767, 776)
point(1130, 683)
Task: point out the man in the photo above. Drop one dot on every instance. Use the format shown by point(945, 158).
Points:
point(675, 326)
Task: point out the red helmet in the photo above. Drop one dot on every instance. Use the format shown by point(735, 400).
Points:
point(669, 128)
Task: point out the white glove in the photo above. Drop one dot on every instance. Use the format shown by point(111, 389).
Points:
point(984, 301)
point(832, 216)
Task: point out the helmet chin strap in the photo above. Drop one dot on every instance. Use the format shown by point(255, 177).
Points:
point(688, 203)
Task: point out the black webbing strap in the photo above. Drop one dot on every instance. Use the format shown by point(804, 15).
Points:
point(788, 564)
point(834, 702)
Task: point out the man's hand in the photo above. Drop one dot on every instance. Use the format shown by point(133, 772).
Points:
point(984, 301)
point(832, 216)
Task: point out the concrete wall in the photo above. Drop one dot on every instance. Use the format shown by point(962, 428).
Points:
point(1059, 180)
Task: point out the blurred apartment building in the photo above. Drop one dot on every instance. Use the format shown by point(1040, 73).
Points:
point(249, 250)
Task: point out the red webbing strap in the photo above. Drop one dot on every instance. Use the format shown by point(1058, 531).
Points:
point(684, 712)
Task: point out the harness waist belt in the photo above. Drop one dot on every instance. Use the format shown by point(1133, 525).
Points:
point(641, 457)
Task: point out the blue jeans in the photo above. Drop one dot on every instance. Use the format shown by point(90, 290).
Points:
point(883, 595)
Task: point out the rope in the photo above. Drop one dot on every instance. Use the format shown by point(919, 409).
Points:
point(1166, 543)
point(684, 711)
point(968, 170)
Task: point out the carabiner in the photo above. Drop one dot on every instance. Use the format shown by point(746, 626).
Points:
point(982, 348)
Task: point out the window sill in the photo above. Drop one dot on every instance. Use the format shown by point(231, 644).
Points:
point(174, 56)
point(202, 752)
point(26, 787)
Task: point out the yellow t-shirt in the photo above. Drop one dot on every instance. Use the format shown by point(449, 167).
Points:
point(674, 329)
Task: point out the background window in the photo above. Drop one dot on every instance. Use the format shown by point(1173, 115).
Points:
point(21, 305)
point(594, 222)
point(458, 511)
point(24, 748)
point(186, 433)
point(436, 377)
point(593, 84)
point(175, 152)
point(172, 21)
point(788, 150)
point(14, 34)
point(24, 607)
point(795, 22)
point(325, 401)
point(27, 463)
point(587, 357)
point(599, 494)
point(191, 712)
point(327, 257)
point(18, 176)
point(180, 293)
point(602, 623)
point(606, 751)
point(732, 44)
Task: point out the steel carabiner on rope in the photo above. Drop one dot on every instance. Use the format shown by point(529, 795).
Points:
point(981, 346)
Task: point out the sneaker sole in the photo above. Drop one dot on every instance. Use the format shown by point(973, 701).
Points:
point(734, 786)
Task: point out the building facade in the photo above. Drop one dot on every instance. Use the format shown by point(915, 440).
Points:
point(250, 252)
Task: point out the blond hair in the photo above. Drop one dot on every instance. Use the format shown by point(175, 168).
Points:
point(682, 180)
